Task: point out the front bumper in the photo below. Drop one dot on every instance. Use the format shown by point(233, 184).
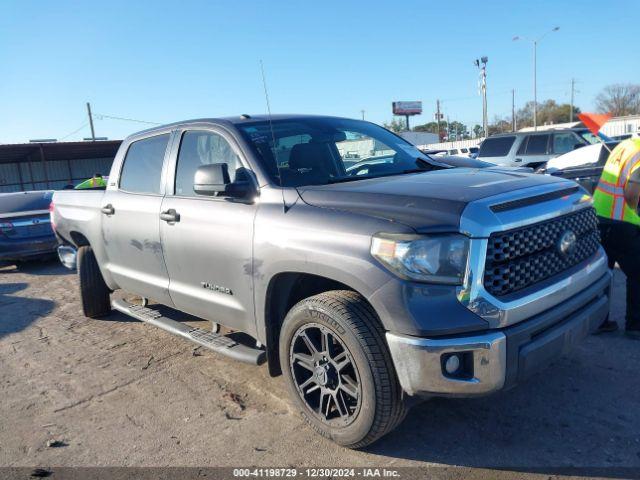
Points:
point(501, 358)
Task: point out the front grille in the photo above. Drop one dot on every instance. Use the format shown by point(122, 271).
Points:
point(522, 257)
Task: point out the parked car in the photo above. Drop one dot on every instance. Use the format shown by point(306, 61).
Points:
point(365, 288)
point(25, 229)
point(463, 151)
point(455, 160)
point(455, 152)
point(583, 165)
point(531, 149)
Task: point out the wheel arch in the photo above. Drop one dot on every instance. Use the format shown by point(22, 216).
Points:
point(78, 239)
point(284, 290)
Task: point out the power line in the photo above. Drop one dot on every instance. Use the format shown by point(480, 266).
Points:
point(75, 131)
point(102, 116)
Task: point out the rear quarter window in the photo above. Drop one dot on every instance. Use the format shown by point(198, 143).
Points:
point(496, 147)
point(537, 145)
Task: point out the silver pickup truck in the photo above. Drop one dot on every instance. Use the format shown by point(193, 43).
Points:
point(365, 271)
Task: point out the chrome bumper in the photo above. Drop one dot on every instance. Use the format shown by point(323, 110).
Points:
point(500, 358)
point(419, 366)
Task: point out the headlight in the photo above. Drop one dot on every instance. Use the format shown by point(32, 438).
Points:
point(432, 258)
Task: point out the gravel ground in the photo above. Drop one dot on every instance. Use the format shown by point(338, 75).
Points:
point(116, 392)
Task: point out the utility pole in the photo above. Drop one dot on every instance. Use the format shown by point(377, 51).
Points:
point(362, 111)
point(408, 128)
point(573, 88)
point(93, 132)
point(448, 129)
point(438, 118)
point(513, 110)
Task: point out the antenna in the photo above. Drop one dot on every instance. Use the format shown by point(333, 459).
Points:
point(273, 135)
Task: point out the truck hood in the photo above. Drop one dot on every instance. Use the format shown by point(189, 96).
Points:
point(430, 201)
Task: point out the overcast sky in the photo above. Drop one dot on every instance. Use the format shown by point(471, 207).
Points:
point(165, 61)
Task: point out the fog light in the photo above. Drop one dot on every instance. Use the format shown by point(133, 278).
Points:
point(452, 364)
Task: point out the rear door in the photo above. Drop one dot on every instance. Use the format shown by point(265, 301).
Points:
point(209, 247)
point(131, 221)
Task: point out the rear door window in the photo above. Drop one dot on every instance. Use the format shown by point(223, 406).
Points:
point(537, 145)
point(496, 146)
point(142, 167)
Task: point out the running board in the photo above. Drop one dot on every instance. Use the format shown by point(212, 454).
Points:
point(205, 338)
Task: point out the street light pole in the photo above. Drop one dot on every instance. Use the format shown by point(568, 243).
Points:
point(482, 66)
point(535, 71)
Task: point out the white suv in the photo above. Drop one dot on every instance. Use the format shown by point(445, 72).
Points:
point(531, 149)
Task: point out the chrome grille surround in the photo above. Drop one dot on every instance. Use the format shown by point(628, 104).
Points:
point(479, 222)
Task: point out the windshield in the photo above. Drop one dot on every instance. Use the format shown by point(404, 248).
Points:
point(589, 137)
point(318, 151)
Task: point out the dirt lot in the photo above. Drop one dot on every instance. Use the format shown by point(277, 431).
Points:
point(118, 392)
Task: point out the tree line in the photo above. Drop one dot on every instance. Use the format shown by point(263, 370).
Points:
point(617, 99)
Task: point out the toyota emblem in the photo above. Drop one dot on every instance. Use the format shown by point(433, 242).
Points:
point(567, 243)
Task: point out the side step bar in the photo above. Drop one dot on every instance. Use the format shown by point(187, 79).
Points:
point(213, 341)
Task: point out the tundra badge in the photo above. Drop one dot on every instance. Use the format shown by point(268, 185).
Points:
point(216, 288)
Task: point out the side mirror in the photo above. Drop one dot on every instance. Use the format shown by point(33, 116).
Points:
point(211, 179)
point(214, 179)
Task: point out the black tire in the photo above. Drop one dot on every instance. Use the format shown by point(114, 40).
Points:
point(352, 326)
point(94, 293)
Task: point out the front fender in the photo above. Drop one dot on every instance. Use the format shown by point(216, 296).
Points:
point(328, 243)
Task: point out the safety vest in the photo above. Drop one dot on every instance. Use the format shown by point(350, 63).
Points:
point(97, 182)
point(608, 198)
point(92, 183)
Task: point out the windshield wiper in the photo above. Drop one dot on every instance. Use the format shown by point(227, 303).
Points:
point(351, 179)
point(368, 177)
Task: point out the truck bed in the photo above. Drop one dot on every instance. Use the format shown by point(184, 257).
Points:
point(76, 214)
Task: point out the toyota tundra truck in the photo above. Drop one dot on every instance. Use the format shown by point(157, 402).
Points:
point(366, 272)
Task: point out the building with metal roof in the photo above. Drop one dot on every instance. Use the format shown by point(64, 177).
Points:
point(53, 165)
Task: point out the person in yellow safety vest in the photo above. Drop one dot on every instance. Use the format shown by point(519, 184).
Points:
point(616, 202)
point(94, 182)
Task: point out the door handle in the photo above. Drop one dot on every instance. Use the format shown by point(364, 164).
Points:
point(518, 159)
point(170, 216)
point(108, 209)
